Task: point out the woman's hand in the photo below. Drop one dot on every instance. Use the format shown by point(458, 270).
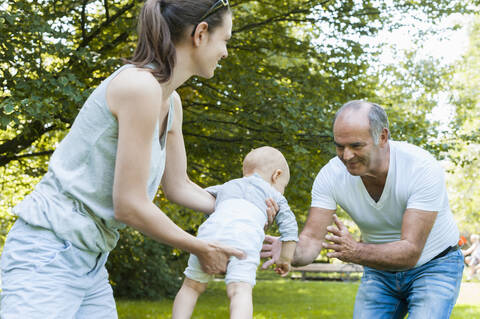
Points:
point(215, 257)
point(272, 209)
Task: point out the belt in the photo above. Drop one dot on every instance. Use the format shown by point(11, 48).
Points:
point(446, 251)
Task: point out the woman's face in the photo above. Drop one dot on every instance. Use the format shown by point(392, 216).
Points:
point(214, 48)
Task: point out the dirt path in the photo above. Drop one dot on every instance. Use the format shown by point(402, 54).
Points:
point(469, 293)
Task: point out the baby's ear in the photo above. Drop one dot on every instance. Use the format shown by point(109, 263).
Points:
point(276, 174)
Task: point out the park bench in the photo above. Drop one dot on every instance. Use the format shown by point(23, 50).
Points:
point(344, 270)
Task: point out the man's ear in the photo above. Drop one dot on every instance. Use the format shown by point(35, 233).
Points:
point(383, 138)
point(276, 174)
point(201, 33)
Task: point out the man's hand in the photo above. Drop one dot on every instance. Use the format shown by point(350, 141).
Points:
point(343, 244)
point(271, 249)
point(272, 209)
point(215, 258)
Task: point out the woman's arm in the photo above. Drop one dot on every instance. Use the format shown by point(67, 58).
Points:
point(176, 185)
point(134, 97)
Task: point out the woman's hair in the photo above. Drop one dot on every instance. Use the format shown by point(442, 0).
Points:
point(162, 24)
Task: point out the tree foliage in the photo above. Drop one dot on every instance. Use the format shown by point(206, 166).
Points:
point(464, 182)
point(291, 64)
point(140, 267)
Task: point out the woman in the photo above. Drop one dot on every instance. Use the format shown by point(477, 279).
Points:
point(125, 141)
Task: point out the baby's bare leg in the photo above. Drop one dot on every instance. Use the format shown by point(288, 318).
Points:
point(187, 298)
point(240, 295)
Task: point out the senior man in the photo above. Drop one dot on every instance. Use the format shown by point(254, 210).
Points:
point(395, 192)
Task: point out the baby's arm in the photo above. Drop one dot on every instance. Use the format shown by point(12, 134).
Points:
point(283, 265)
point(285, 219)
point(287, 225)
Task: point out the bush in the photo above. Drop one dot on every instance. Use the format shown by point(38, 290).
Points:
point(141, 268)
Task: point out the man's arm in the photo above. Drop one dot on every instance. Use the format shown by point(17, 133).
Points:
point(402, 254)
point(312, 236)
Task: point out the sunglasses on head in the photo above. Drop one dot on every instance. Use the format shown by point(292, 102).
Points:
point(214, 8)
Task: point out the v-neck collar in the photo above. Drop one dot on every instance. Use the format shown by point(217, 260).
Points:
point(385, 192)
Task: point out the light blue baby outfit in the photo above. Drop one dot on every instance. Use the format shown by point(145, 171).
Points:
point(238, 221)
point(54, 256)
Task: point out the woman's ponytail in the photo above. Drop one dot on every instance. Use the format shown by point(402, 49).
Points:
point(155, 44)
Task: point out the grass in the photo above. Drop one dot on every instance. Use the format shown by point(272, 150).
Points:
point(273, 299)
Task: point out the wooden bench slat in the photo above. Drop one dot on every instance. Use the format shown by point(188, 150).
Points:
point(323, 267)
point(328, 268)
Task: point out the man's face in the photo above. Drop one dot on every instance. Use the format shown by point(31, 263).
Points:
point(354, 144)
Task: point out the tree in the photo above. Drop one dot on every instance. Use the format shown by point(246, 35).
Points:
point(464, 184)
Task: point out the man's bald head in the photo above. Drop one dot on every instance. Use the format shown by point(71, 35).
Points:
point(365, 111)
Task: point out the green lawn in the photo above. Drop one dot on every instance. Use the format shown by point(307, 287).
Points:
point(273, 299)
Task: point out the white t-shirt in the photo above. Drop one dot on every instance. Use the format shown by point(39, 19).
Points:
point(415, 180)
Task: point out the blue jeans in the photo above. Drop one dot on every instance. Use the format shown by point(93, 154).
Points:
point(45, 277)
point(427, 291)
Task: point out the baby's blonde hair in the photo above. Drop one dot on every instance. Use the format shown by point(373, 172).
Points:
point(264, 160)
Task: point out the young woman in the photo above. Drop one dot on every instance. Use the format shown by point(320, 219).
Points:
point(125, 141)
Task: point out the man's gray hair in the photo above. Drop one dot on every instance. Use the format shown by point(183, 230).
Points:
point(377, 117)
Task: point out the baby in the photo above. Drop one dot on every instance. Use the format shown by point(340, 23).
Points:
point(238, 221)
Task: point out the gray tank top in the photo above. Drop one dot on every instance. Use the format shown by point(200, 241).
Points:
point(74, 198)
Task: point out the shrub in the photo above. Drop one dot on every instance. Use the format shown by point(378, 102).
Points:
point(141, 268)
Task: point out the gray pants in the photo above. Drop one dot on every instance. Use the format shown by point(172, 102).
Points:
point(46, 277)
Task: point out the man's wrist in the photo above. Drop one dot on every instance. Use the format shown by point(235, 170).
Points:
point(357, 253)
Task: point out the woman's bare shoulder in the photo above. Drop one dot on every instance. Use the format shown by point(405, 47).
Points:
point(133, 85)
point(134, 81)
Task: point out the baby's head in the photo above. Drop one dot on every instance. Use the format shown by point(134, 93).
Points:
point(269, 163)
